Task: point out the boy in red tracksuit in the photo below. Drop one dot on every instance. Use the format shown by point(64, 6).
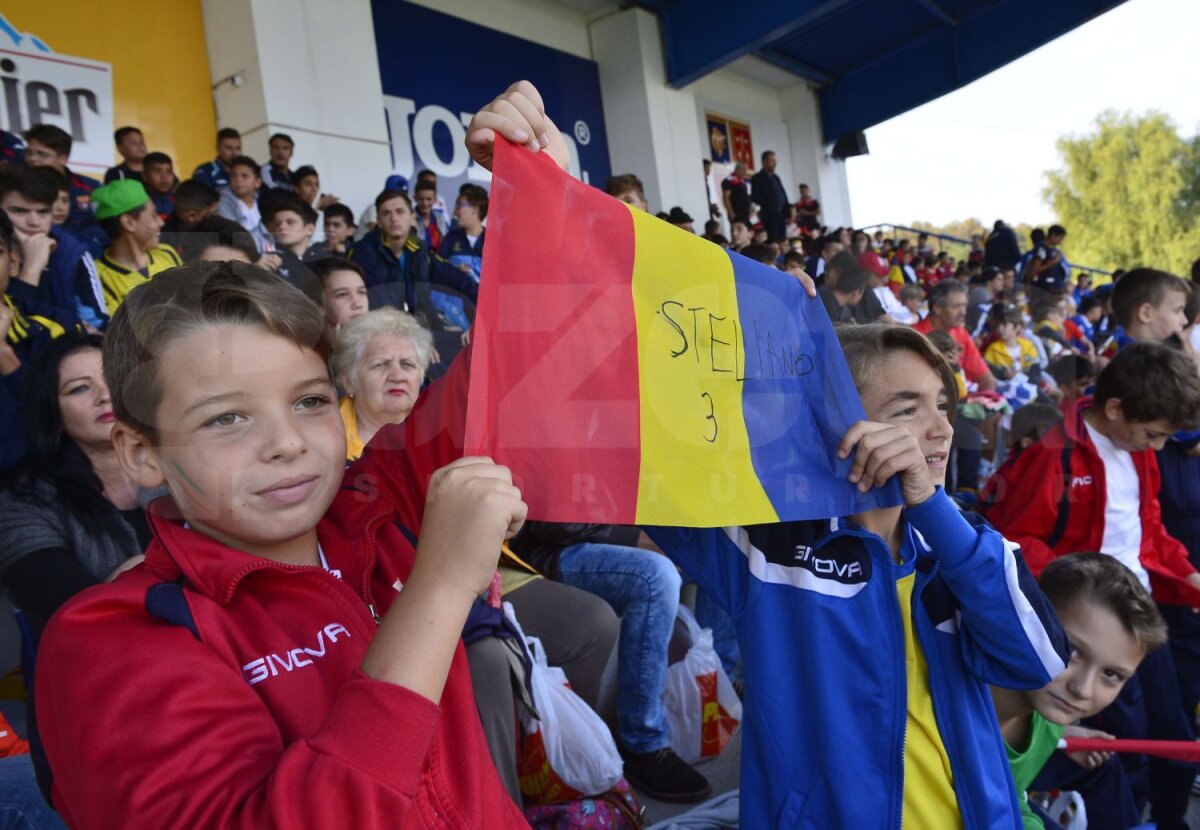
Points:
point(1091, 484)
point(289, 653)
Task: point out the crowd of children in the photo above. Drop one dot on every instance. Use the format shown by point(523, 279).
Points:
point(249, 579)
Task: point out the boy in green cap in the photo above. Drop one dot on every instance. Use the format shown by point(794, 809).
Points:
point(125, 212)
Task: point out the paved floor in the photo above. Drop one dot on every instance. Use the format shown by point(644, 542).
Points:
point(722, 773)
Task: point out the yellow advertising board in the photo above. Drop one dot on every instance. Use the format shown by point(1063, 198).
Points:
point(147, 56)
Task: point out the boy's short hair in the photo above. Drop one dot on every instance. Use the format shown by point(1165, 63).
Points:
point(1071, 368)
point(281, 137)
point(866, 347)
point(909, 291)
point(793, 258)
point(851, 280)
point(623, 183)
point(425, 184)
point(390, 193)
point(245, 161)
point(1056, 230)
point(426, 175)
point(1032, 420)
point(26, 181)
point(943, 341)
point(339, 211)
point(477, 197)
point(1087, 304)
point(180, 301)
point(1141, 286)
point(216, 232)
point(1152, 381)
point(739, 221)
point(1010, 314)
point(56, 138)
point(322, 268)
point(194, 195)
point(766, 254)
point(157, 158)
point(1104, 581)
point(121, 132)
point(227, 132)
point(304, 172)
point(287, 202)
point(56, 179)
point(1044, 307)
point(7, 234)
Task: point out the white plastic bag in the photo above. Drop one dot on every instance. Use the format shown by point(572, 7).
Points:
point(569, 752)
point(703, 710)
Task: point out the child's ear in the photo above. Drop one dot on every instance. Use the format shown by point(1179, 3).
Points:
point(139, 458)
point(1112, 409)
point(1144, 313)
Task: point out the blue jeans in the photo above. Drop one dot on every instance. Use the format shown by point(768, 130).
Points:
point(643, 588)
point(21, 804)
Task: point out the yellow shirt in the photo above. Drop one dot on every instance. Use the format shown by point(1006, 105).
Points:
point(354, 444)
point(117, 280)
point(929, 799)
point(998, 354)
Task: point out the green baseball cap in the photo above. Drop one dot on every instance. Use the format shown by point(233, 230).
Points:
point(118, 197)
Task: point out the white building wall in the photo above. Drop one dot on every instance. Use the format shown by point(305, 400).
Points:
point(310, 70)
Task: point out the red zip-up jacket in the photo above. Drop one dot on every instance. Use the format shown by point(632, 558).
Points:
point(1034, 505)
point(262, 717)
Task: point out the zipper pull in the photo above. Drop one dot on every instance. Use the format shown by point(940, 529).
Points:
point(375, 614)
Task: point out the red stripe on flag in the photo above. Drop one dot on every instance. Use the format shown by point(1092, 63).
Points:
point(555, 298)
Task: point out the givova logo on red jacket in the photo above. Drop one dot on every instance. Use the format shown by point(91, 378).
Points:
point(270, 665)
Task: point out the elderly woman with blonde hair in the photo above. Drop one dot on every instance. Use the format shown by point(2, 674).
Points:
point(380, 359)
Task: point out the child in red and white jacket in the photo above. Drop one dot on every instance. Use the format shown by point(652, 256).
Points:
point(1091, 484)
point(289, 653)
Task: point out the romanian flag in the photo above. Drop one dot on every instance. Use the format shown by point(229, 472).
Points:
point(629, 372)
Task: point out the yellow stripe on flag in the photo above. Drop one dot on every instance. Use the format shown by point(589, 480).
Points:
point(695, 451)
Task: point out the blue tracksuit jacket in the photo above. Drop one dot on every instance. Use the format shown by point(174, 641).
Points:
point(821, 634)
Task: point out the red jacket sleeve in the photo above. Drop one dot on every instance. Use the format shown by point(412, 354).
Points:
point(1026, 512)
point(207, 752)
point(972, 361)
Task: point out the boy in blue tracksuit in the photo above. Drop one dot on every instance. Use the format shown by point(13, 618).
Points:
point(869, 641)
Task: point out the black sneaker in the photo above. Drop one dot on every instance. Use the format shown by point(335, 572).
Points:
point(665, 776)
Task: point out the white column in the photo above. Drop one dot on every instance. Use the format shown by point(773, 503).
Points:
point(308, 68)
point(651, 127)
point(811, 161)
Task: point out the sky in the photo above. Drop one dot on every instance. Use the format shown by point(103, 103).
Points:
point(983, 150)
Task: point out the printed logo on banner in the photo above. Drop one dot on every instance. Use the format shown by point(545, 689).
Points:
point(40, 86)
point(432, 86)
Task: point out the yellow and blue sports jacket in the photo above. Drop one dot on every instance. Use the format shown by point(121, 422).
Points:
point(821, 632)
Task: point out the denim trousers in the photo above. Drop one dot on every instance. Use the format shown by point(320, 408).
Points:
point(643, 588)
point(21, 804)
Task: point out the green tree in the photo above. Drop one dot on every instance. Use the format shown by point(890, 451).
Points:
point(1128, 194)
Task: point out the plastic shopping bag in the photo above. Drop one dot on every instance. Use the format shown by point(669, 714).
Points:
point(703, 710)
point(568, 751)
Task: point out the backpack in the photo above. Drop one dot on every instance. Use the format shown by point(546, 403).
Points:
point(618, 809)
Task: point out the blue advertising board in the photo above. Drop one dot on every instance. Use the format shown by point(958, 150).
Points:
point(438, 70)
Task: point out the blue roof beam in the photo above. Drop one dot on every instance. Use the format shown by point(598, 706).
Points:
point(804, 70)
point(935, 9)
point(691, 49)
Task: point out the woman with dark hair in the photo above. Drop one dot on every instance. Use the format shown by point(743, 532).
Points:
point(69, 517)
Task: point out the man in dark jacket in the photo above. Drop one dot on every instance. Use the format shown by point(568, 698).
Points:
point(1001, 250)
point(766, 190)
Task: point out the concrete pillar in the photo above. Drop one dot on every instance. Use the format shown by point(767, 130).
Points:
point(811, 161)
point(307, 68)
point(651, 127)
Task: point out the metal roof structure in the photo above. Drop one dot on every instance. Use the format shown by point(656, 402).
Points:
point(870, 60)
